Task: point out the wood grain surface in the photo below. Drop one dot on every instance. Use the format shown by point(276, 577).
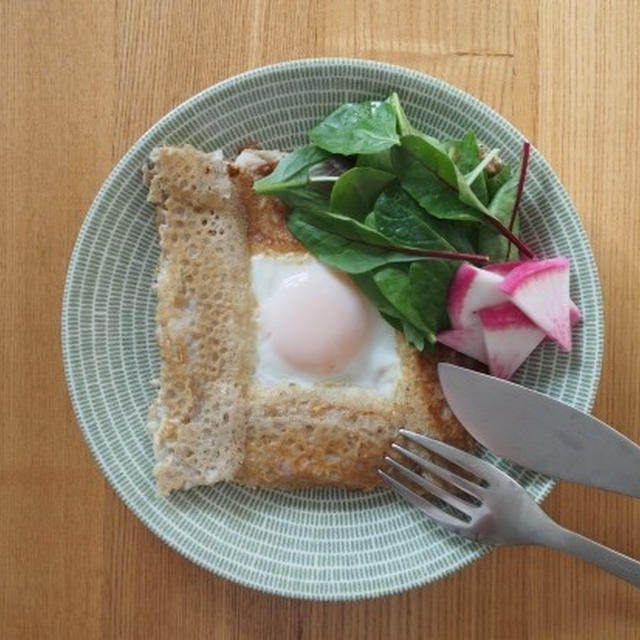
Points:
point(79, 82)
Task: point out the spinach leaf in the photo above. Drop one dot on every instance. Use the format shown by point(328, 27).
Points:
point(332, 166)
point(433, 155)
point(395, 285)
point(430, 282)
point(466, 155)
point(346, 227)
point(368, 286)
point(462, 235)
point(292, 171)
point(367, 127)
point(413, 335)
point(495, 182)
point(337, 251)
point(404, 126)
point(297, 180)
point(356, 191)
point(464, 152)
point(310, 197)
point(399, 218)
point(501, 205)
point(479, 170)
point(490, 242)
point(451, 235)
point(419, 293)
point(430, 191)
point(427, 152)
point(396, 323)
point(370, 220)
point(380, 160)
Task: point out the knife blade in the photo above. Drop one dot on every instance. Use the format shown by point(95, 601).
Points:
point(540, 433)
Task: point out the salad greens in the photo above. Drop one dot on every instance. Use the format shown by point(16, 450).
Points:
point(466, 154)
point(399, 217)
point(501, 206)
point(293, 170)
point(368, 127)
point(357, 190)
point(398, 210)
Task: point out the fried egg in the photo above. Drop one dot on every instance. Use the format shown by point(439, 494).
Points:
point(314, 328)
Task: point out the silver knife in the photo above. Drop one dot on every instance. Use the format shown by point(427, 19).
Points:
point(541, 433)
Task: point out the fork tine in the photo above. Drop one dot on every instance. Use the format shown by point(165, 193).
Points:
point(465, 485)
point(431, 487)
point(442, 518)
point(480, 468)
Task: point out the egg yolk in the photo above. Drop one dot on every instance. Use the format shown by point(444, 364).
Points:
point(317, 320)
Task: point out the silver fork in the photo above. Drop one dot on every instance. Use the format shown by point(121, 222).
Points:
point(503, 513)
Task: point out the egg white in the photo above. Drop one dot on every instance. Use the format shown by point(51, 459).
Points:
point(376, 366)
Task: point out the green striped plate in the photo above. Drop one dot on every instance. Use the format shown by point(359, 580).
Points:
point(323, 544)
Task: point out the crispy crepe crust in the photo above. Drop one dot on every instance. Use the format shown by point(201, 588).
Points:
point(210, 422)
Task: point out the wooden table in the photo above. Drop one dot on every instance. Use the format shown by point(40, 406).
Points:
point(79, 82)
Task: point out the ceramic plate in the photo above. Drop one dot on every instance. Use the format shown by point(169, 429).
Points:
point(323, 544)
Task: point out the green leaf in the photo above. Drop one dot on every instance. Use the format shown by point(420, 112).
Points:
point(368, 286)
point(367, 127)
point(413, 335)
point(464, 152)
point(292, 171)
point(370, 220)
point(347, 227)
point(490, 242)
point(426, 151)
point(396, 323)
point(418, 294)
point(338, 251)
point(433, 155)
point(495, 182)
point(430, 290)
point(462, 235)
point(400, 219)
point(308, 197)
point(356, 191)
point(395, 286)
point(380, 160)
point(404, 126)
point(466, 155)
point(331, 168)
point(430, 191)
point(478, 171)
point(501, 205)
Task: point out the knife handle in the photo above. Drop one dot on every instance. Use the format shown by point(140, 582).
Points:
point(614, 562)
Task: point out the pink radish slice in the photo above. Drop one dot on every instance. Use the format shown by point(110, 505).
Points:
point(469, 341)
point(575, 315)
point(509, 338)
point(503, 268)
point(470, 290)
point(540, 289)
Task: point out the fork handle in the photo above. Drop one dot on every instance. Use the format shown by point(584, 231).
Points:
point(597, 554)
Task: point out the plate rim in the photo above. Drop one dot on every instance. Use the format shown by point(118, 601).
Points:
point(292, 65)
